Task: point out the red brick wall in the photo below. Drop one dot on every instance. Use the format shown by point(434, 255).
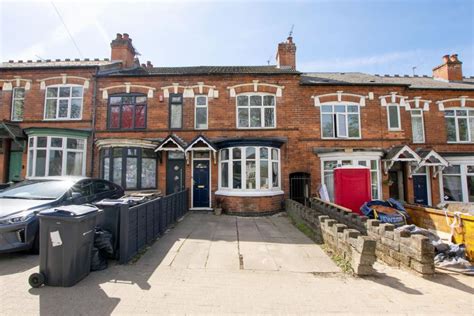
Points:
point(245, 205)
point(297, 118)
point(35, 101)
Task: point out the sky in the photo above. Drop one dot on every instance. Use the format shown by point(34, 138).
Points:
point(377, 37)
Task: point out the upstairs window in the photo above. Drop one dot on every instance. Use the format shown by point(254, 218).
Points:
point(460, 125)
point(127, 111)
point(63, 102)
point(200, 112)
point(340, 121)
point(417, 126)
point(18, 104)
point(176, 111)
point(393, 117)
point(256, 111)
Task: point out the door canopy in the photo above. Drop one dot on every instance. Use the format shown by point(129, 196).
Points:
point(400, 153)
point(430, 158)
point(172, 143)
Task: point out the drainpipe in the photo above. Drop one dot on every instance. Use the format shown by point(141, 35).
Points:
point(94, 110)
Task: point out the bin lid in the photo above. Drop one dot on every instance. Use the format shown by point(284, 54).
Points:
point(70, 210)
point(106, 202)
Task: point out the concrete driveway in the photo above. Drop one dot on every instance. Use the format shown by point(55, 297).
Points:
point(224, 265)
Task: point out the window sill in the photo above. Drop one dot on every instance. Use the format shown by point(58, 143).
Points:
point(249, 193)
point(256, 128)
point(341, 138)
point(395, 130)
point(63, 119)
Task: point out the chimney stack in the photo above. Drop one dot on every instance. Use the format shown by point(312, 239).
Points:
point(123, 50)
point(286, 54)
point(450, 70)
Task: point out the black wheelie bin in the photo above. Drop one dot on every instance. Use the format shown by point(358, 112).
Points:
point(66, 240)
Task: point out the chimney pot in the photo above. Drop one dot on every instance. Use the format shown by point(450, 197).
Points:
point(450, 70)
point(123, 50)
point(286, 54)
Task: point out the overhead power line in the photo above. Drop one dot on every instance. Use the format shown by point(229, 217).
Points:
point(67, 30)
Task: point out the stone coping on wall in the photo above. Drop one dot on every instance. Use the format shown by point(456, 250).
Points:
point(346, 242)
point(395, 248)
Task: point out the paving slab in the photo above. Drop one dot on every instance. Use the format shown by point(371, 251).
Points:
point(233, 265)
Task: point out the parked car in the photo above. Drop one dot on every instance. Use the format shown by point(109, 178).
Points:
point(20, 203)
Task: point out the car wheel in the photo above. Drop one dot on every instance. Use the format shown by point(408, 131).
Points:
point(36, 280)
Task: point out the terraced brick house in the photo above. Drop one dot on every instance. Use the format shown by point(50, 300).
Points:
point(246, 137)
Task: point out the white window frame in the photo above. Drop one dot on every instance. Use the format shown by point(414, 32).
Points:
point(58, 98)
point(456, 124)
point(48, 148)
point(17, 99)
point(355, 159)
point(335, 122)
point(399, 128)
point(419, 114)
point(262, 112)
point(230, 191)
point(463, 162)
point(196, 106)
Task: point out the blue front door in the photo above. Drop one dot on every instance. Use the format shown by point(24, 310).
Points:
point(201, 183)
point(420, 188)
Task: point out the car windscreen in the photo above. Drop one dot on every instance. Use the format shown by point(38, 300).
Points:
point(37, 190)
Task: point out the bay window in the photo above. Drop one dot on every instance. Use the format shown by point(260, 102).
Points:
point(131, 168)
point(417, 126)
point(63, 102)
point(340, 121)
point(127, 111)
point(458, 182)
point(249, 169)
point(459, 125)
point(56, 156)
point(329, 163)
point(18, 104)
point(256, 111)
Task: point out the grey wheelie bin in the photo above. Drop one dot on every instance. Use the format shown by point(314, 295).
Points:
point(66, 240)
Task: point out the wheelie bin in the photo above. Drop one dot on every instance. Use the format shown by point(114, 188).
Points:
point(66, 240)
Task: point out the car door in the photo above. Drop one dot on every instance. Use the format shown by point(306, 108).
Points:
point(102, 190)
point(82, 192)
